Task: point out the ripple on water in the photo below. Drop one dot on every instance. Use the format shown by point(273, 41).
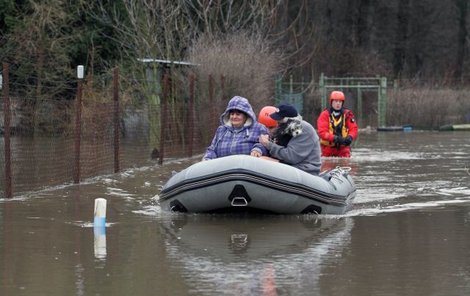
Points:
point(362, 155)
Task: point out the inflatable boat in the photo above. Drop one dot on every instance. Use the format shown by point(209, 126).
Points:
point(242, 183)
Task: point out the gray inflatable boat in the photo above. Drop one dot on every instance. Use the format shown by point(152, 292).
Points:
point(242, 183)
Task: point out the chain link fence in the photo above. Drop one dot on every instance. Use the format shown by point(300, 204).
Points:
point(125, 123)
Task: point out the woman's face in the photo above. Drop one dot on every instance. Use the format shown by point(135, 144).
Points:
point(237, 118)
point(336, 104)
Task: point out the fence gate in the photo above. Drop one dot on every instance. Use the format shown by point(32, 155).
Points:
point(294, 95)
point(360, 84)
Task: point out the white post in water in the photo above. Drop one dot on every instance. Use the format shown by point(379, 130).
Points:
point(100, 212)
point(99, 228)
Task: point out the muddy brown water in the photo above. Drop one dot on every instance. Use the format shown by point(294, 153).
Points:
point(408, 233)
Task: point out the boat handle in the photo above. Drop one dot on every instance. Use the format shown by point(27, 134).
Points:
point(239, 201)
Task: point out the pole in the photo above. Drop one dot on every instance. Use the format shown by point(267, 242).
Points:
point(116, 118)
point(190, 124)
point(78, 127)
point(359, 106)
point(6, 125)
point(99, 228)
point(163, 113)
point(212, 119)
point(382, 102)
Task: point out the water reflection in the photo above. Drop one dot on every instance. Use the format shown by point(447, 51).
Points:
point(329, 163)
point(38, 162)
point(259, 255)
point(100, 242)
point(410, 224)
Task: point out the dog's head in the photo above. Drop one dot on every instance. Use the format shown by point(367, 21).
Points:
point(292, 126)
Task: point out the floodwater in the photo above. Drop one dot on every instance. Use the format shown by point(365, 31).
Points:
point(408, 233)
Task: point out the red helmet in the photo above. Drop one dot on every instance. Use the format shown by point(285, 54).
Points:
point(265, 118)
point(337, 95)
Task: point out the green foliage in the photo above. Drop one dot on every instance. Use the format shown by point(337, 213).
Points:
point(8, 15)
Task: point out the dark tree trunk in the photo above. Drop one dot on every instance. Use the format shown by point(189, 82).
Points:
point(462, 6)
point(401, 37)
point(363, 28)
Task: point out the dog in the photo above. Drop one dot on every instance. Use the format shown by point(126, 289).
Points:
point(289, 128)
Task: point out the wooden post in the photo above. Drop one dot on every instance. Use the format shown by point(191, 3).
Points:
point(163, 113)
point(212, 115)
point(190, 124)
point(6, 126)
point(78, 127)
point(116, 118)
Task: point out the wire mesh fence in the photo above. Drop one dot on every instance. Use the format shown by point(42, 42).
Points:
point(117, 127)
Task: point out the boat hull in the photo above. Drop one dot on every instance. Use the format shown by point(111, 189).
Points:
point(243, 183)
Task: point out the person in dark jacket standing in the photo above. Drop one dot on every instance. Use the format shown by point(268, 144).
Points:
point(337, 127)
point(238, 132)
point(296, 141)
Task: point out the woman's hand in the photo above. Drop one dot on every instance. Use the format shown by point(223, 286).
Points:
point(255, 153)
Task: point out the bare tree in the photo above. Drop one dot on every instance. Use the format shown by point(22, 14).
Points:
point(401, 37)
point(42, 61)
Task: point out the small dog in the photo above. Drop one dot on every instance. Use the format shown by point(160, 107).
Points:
point(289, 128)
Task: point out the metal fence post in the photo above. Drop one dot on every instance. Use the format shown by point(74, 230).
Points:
point(382, 102)
point(359, 105)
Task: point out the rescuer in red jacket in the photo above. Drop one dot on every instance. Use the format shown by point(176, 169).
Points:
point(336, 127)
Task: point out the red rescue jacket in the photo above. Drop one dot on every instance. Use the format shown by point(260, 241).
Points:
point(328, 126)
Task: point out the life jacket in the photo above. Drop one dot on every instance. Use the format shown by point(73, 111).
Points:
point(337, 127)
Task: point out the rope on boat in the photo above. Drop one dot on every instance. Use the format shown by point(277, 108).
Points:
point(339, 171)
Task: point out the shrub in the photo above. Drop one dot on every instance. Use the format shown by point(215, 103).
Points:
point(248, 64)
point(426, 107)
